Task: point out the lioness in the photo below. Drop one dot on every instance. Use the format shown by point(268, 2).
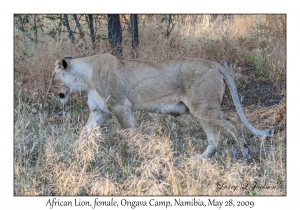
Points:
point(118, 86)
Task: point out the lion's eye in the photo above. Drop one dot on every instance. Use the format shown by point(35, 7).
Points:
point(61, 95)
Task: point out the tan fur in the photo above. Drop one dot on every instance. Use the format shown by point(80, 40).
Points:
point(171, 86)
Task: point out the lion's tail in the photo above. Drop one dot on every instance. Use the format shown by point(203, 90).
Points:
point(236, 101)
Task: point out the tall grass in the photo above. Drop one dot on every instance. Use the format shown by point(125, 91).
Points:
point(159, 157)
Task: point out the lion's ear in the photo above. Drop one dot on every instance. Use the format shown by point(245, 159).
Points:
point(64, 63)
point(61, 63)
point(58, 63)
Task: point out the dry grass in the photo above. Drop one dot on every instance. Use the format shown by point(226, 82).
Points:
point(159, 157)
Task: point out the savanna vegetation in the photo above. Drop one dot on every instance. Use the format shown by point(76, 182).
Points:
point(159, 156)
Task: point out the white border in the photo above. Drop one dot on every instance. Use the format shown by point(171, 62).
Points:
point(8, 201)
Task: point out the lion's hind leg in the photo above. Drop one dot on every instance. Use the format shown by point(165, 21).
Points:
point(124, 116)
point(233, 127)
point(213, 137)
point(212, 121)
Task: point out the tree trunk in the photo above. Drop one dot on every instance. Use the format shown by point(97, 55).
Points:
point(170, 24)
point(115, 34)
point(35, 29)
point(92, 33)
point(79, 27)
point(134, 33)
point(71, 35)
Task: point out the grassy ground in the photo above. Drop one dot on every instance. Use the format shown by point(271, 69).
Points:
point(159, 156)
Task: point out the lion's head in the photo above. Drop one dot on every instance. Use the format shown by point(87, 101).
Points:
point(58, 85)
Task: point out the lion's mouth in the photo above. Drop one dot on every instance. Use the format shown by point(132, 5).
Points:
point(62, 95)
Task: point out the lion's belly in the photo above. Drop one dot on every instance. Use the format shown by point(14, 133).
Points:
point(177, 108)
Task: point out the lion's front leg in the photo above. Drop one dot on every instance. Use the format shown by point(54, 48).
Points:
point(96, 117)
point(124, 115)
